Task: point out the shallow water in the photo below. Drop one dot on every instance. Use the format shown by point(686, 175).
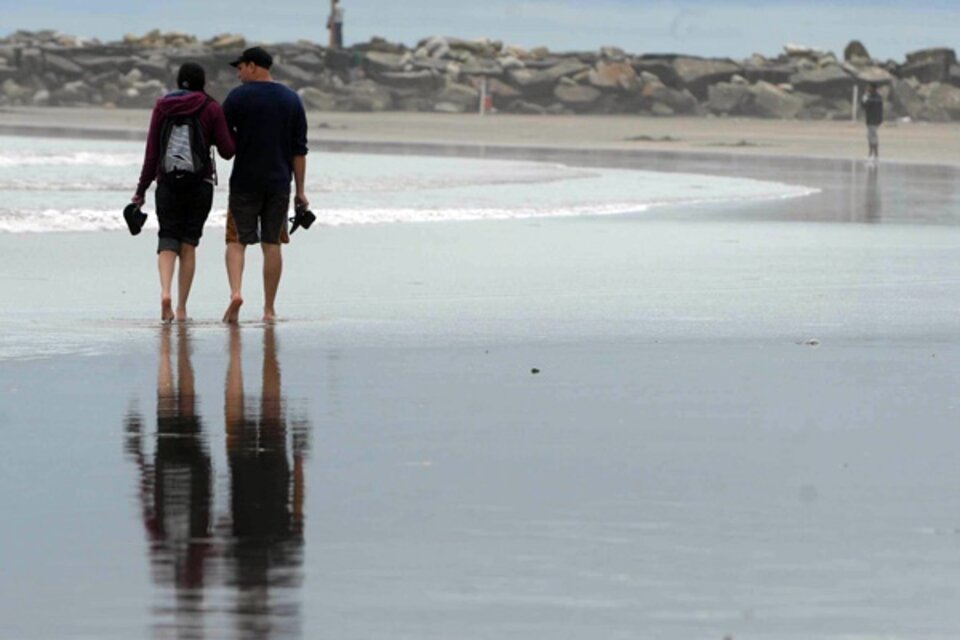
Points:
point(82, 185)
point(743, 424)
point(246, 485)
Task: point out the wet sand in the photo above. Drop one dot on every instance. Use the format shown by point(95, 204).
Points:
point(742, 423)
point(925, 143)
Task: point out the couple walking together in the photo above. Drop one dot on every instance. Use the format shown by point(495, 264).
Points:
point(263, 124)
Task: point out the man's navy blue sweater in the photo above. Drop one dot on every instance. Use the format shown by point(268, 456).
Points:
point(270, 128)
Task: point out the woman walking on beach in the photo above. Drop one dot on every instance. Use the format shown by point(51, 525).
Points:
point(185, 125)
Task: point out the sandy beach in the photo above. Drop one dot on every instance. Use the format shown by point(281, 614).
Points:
point(714, 420)
point(925, 143)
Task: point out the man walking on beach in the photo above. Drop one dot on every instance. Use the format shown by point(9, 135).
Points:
point(873, 110)
point(270, 128)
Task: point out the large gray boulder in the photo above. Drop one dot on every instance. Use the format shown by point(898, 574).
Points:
point(421, 80)
point(159, 69)
point(41, 98)
point(659, 66)
point(828, 82)
point(528, 79)
point(728, 98)
point(61, 65)
point(929, 65)
point(317, 100)
point(564, 69)
point(379, 62)
point(942, 55)
point(481, 67)
point(696, 74)
point(576, 96)
point(673, 100)
point(464, 97)
point(292, 75)
point(14, 91)
point(770, 101)
point(435, 64)
point(501, 91)
point(341, 60)
point(381, 45)
point(72, 94)
point(757, 70)
point(365, 95)
point(942, 102)
point(31, 62)
point(905, 98)
point(856, 53)
point(869, 74)
point(799, 52)
point(309, 60)
point(483, 48)
point(227, 42)
point(614, 76)
point(93, 63)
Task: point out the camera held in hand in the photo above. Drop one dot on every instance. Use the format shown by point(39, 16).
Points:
point(302, 217)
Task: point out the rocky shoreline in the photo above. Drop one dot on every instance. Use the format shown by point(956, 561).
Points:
point(450, 75)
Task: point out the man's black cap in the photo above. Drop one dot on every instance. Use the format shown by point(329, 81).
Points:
point(256, 55)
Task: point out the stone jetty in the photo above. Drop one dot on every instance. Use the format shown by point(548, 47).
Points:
point(449, 75)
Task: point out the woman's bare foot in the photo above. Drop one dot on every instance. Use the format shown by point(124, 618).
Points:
point(232, 314)
point(269, 316)
point(181, 314)
point(166, 309)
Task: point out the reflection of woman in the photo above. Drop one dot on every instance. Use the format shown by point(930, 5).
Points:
point(266, 490)
point(175, 490)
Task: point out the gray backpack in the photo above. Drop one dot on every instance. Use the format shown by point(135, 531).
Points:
point(184, 151)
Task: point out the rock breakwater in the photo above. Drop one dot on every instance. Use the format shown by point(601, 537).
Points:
point(450, 75)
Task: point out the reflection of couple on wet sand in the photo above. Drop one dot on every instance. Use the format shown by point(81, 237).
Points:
point(259, 541)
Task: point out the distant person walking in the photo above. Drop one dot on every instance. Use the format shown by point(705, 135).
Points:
point(873, 110)
point(270, 129)
point(184, 126)
point(335, 25)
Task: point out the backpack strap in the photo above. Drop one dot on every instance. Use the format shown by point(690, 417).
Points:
point(213, 157)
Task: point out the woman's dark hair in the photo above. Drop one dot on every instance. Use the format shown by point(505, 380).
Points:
point(191, 77)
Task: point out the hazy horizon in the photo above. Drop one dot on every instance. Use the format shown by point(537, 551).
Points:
point(699, 27)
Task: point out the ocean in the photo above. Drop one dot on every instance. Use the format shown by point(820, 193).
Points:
point(696, 421)
point(51, 185)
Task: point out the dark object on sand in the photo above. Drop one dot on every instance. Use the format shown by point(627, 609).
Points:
point(534, 371)
point(646, 138)
point(302, 217)
point(134, 217)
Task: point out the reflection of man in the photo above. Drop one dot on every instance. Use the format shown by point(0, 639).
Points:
point(873, 204)
point(266, 485)
point(176, 489)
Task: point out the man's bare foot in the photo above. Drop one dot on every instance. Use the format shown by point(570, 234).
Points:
point(166, 309)
point(269, 316)
point(181, 314)
point(232, 314)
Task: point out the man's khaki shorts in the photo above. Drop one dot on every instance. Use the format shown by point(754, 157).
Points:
point(232, 235)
